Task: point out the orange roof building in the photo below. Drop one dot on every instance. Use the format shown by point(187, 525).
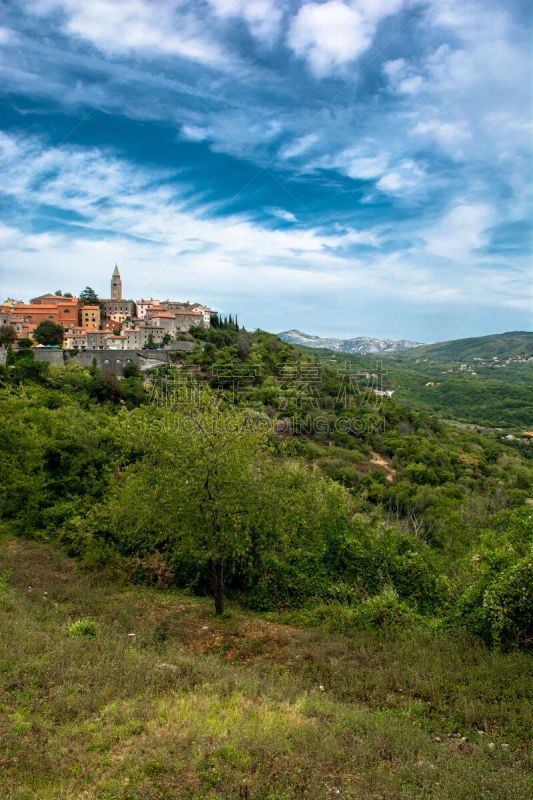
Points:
point(65, 313)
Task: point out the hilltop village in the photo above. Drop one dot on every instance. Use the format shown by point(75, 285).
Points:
point(108, 324)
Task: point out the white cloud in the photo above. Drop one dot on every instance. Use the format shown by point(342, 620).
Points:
point(469, 19)
point(194, 132)
point(332, 34)
point(366, 167)
point(462, 231)
point(328, 35)
point(263, 17)
point(362, 163)
point(376, 10)
point(162, 28)
point(468, 95)
point(281, 213)
point(406, 177)
point(299, 146)
point(352, 236)
point(403, 77)
point(394, 177)
point(452, 137)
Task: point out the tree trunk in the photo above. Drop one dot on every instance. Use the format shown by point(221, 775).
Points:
point(217, 577)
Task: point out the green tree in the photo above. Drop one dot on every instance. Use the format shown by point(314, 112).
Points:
point(150, 343)
point(88, 297)
point(192, 492)
point(49, 332)
point(131, 370)
point(8, 335)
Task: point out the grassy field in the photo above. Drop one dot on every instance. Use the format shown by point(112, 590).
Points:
point(194, 707)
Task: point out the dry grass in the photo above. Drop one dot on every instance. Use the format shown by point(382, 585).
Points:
point(195, 707)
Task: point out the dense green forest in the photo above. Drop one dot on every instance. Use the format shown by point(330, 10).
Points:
point(251, 471)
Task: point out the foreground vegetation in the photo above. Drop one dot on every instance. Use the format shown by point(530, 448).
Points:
point(247, 470)
point(113, 692)
point(376, 563)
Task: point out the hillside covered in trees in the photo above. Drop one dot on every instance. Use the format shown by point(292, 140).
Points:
point(370, 569)
point(250, 470)
point(483, 381)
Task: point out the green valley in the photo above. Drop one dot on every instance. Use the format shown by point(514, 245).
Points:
point(484, 381)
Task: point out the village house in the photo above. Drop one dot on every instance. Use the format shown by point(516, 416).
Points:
point(90, 317)
point(61, 310)
point(96, 340)
point(144, 305)
point(114, 342)
point(75, 340)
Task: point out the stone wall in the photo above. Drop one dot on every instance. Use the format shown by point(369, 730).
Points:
point(113, 360)
point(51, 355)
point(116, 360)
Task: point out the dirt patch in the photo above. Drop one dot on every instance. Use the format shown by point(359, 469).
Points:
point(382, 463)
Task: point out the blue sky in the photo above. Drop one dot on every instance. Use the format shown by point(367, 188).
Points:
point(347, 167)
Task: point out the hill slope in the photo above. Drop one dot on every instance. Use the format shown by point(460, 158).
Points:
point(197, 707)
point(494, 346)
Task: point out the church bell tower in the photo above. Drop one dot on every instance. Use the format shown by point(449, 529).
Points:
point(116, 285)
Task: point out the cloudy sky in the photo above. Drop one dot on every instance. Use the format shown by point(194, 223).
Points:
point(347, 167)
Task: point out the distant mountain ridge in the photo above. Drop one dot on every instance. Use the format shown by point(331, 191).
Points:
point(359, 344)
point(495, 346)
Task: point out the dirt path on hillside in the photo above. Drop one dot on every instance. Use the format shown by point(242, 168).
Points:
point(382, 463)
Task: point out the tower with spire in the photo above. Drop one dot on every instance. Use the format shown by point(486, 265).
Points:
point(116, 285)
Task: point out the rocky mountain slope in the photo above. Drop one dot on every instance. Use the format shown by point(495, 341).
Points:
point(359, 344)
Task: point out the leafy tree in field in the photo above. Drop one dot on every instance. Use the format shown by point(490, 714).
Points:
point(8, 335)
point(49, 332)
point(192, 491)
point(24, 344)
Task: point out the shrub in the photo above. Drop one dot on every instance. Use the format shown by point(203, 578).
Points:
point(83, 627)
point(508, 606)
point(384, 610)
